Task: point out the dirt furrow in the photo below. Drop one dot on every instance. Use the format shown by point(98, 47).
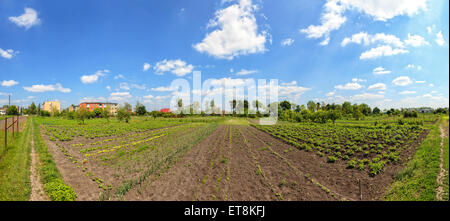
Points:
point(37, 190)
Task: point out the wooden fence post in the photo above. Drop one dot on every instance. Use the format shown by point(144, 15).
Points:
point(13, 125)
point(6, 132)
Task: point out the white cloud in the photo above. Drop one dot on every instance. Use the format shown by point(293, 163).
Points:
point(380, 71)
point(38, 88)
point(146, 66)
point(429, 30)
point(420, 82)
point(120, 76)
point(440, 39)
point(330, 94)
point(89, 79)
point(108, 88)
point(243, 72)
point(367, 39)
point(332, 17)
point(384, 50)
point(8, 54)
point(236, 33)
point(287, 42)
point(177, 67)
point(9, 83)
point(137, 86)
point(413, 66)
point(431, 85)
point(402, 81)
point(289, 83)
point(358, 80)
point(120, 96)
point(366, 96)
point(416, 40)
point(162, 89)
point(377, 86)
point(27, 20)
point(349, 86)
point(124, 86)
point(407, 92)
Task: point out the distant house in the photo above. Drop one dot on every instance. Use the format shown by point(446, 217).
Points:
point(165, 110)
point(425, 110)
point(2, 111)
point(72, 108)
point(51, 105)
point(93, 105)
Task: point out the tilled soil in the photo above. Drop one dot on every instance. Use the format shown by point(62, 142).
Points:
point(224, 167)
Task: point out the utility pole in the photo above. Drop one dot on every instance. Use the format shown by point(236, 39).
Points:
point(9, 100)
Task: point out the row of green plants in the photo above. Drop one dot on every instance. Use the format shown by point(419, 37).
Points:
point(362, 147)
point(54, 185)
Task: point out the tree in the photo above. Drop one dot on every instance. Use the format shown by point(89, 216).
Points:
point(140, 109)
point(358, 115)
point(212, 104)
point(127, 107)
point(124, 114)
point(376, 110)
point(32, 109)
point(12, 110)
point(347, 108)
point(334, 115)
point(233, 104)
point(98, 112)
point(39, 109)
point(82, 114)
point(285, 105)
point(365, 109)
point(311, 106)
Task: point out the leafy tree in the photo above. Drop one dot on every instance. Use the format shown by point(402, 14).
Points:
point(376, 110)
point(12, 110)
point(140, 109)
point(124, 114)
point(98, 112)
point(358, 115)
point(347, 108)
point(285, 105)
point(334, 115)
point(39, 110)
point(32, 109)
point(45, 113)
point(311, 106)
point(82, 114)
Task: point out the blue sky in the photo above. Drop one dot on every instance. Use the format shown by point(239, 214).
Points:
point(383, 53)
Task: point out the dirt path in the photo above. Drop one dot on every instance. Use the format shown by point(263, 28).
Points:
point(442, 173)
point(37, 190)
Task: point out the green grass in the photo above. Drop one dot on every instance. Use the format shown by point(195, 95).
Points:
point(417, 182)
point(51, 179)
point(15, 163)
point(446, 156)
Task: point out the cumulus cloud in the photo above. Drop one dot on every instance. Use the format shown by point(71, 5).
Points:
point(366, 96)
point(402, 81)
point(332, 17)
point(384, 50)
point(177, 67)
point(416, 40)
point(8, 53)
point(380, 71)
point(440, 39)
point(146, 67)
point(287, 42)
point(349, 86)
point(236, 32)
point(243, 72)
point(120, 96)
point(413, 66)
point(27, 19)
point(407, 92)
point(162, 89)
point(367, 39)
point(39, 88)
point(9, 83)
point(89, 79)
point(377, 86)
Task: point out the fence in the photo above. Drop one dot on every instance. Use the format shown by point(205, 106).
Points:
point(15, 128)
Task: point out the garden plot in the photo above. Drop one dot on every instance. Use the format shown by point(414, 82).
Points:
point(228, 165)
point(118, 163)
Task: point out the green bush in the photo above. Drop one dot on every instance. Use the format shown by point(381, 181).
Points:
point(58, 191)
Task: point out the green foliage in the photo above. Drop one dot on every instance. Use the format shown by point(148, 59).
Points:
point(58, 191)
point(123, 114)
point(12, 110)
